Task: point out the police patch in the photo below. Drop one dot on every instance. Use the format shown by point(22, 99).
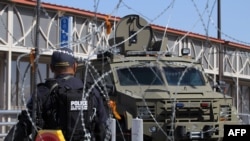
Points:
point(78, 105)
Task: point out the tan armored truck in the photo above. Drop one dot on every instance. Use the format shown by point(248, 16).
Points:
point(172, 95)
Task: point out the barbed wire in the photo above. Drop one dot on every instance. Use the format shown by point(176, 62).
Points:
point(84, 39)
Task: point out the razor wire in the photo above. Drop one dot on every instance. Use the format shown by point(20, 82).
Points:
point(100, 77)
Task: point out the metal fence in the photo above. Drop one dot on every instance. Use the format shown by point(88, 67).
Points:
point(245, 117)
point(8, 119)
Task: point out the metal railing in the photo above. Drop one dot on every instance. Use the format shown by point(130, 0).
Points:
point(245, 117)
point(8, 119)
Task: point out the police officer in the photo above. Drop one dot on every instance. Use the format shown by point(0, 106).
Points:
point(64, 66)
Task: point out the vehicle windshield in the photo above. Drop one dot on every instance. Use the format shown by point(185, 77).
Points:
point(139, 76)
point(183, 76)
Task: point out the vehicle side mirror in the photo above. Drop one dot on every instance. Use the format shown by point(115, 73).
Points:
point(220, 86)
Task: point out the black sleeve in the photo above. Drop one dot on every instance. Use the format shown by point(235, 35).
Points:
point(102, 114)
point(42, 99)
point(43, 105)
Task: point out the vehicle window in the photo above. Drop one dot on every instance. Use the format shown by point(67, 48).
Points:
point(191, 76)
point(139, 75)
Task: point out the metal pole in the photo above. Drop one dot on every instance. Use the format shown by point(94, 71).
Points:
point(220, 46)
point(137, 130)
point(112, 127)
point(219, 20)
point(36, 67)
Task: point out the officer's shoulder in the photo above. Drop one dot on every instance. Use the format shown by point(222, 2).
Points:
point(50, 82)
point(73, 82)
point(42, 88)
point(76, 80)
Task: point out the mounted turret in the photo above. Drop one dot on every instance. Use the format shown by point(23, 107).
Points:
point(134, 36)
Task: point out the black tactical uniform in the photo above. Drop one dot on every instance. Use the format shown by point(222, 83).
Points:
point(23, 128)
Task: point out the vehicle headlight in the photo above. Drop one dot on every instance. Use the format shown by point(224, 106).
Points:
point(152, 129)
point(225, 113)
point(143, 112)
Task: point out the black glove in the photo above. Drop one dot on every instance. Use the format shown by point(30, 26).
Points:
point(20, 131)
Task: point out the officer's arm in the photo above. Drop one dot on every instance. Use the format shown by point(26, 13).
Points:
point(102, 116)
point(101, 108)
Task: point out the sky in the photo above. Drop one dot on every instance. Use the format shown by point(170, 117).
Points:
point(197, 16)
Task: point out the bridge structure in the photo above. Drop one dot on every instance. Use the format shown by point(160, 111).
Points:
point(88, 32)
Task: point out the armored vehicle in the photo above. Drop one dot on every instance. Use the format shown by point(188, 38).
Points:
point(171, 94)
